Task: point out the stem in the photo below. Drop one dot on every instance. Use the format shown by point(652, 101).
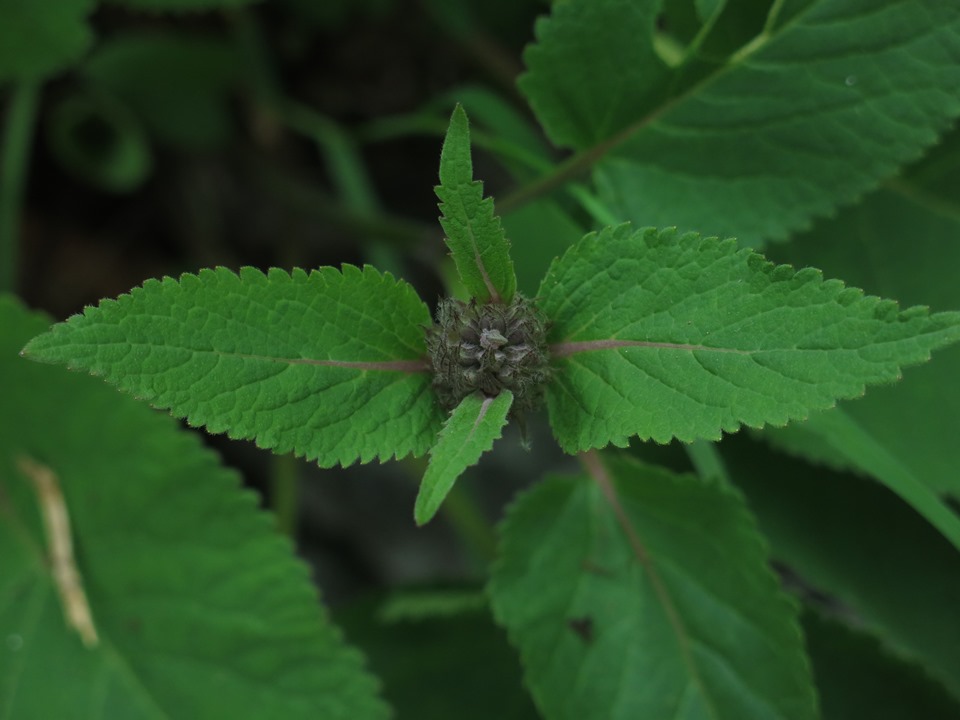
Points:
point(285, 489)
point(17, 138)
point(707, 461)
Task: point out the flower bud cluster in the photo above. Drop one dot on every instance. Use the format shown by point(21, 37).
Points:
point(489, 347)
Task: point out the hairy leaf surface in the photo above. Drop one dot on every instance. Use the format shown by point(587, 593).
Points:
point(200, 608)
point(328, 364)
point(833, 97)
point(662, 335)
point(856, 542)
point(901, 242)
point(468, 433)
point(477, 241)
point(642, 593)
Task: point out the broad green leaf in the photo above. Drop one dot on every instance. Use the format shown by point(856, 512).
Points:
point(199, 608)
point(834, 97)
point(39, 39)
point(901, 242)
point(640, 593)
point(662, 335)
point(857, 543)
point(593, 71)
point(328, 364)
point(842, 442)
point(706, 9)
point(477, 242)
point(468, 433)
point(857, 678)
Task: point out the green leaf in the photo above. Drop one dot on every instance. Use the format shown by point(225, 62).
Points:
point(39, 39)
point(902, 242)
point(857, 543)
point(199, 608)
point(662, 335)
point(440, 668)
point(328, 364)
point(477, 242)
point(831, 99)
point(647, 594)
point(593, 71)
point(468, 433)
point(842, 442)
point(856, 677)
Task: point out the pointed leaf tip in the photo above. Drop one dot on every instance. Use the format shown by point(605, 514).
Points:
point(468, 433)
point(477, 242)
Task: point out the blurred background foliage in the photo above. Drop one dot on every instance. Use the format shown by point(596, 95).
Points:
point(140, 142)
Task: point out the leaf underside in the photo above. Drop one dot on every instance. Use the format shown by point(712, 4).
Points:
point(200, 607)
point(859, 89)
point(476, 239)
point(328, 365)
point(468, 433)
point(663, 336)
point(651, 597)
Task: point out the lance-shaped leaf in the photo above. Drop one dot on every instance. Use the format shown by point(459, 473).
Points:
point(195, 606)
point(662, 335)
point(830, 99)
point(639, 593)
point(328, 364)
point(468, 433)
point(477, 241)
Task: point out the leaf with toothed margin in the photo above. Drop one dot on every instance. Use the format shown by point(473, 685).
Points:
point(198, 607)
point(476, 239)
point(639, 593)
point(662, 336)
point(468, 433)
point(328, 364)
point(832, 97)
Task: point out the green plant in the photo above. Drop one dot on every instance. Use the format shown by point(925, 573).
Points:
point(640, 586)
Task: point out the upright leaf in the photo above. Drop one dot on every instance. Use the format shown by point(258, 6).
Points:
point(476, 239)
point(830, 99)
point(468, 433)
point(328, 364)
point(200, 609)
point(641, 593)
point(662, 335)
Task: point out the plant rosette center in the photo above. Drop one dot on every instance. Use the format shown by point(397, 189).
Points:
point(489, 348)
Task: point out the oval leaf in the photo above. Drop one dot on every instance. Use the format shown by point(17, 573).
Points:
point(329, 365)
point(662, 335)
point(644, 594)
